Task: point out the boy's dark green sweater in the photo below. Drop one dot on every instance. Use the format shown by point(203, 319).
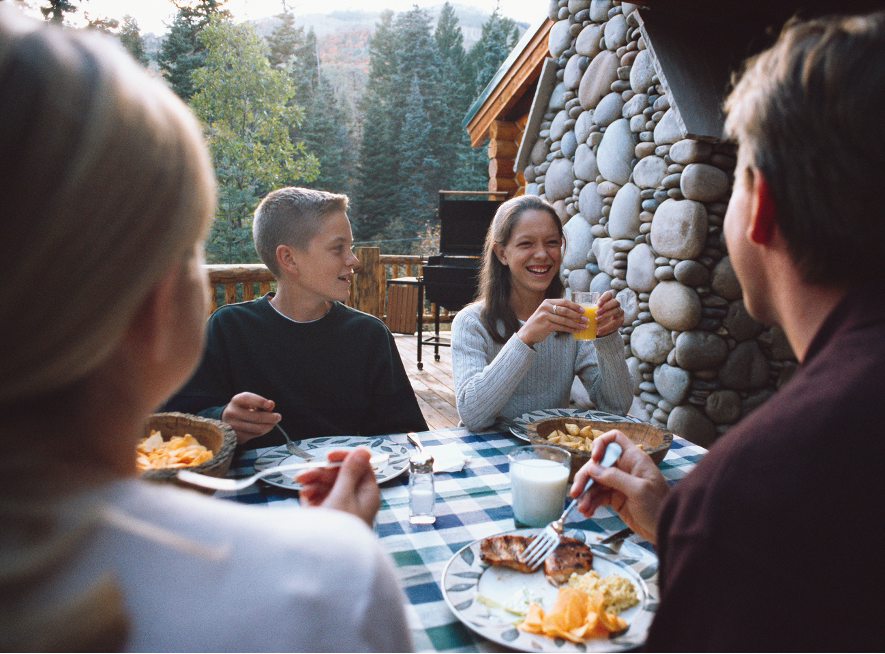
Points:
point(339, 375)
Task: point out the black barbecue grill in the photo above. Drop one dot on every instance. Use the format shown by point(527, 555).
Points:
point(450, 277)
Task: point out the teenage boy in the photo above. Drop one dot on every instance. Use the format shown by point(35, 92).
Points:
point(299, 356)
point(772, 543)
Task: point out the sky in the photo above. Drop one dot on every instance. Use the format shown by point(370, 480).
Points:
point(152, 14)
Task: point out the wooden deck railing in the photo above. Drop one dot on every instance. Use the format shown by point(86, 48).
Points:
point(241, 282)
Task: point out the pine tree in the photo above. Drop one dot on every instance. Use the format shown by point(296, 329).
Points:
point(130, 38)
point(499, 37)
point(284, 41)
point(182, 52)
point(374, 202)
point(56, 9)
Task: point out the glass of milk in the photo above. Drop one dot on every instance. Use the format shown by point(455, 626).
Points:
point(539, 480)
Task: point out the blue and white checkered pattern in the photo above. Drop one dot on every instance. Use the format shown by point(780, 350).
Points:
point(473, 503)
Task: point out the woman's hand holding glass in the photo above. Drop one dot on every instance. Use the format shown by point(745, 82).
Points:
point(552, 315)
point(633, 487)
point(609, 315)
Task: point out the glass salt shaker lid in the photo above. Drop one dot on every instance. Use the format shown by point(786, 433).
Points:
point(421, 462)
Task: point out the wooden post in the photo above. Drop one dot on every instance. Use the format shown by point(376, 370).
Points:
point(369, 281)
point(504, 139)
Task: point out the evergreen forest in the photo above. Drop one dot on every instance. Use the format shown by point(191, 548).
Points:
point(272, 118)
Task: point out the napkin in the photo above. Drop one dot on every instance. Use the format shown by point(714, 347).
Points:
point(447, 458)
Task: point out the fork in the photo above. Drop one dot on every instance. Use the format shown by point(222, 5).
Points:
point(217, 483)
point(291, 447)
point(544, 543)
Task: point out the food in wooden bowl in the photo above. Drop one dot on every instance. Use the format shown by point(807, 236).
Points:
point(580, 432)
point(217, 437)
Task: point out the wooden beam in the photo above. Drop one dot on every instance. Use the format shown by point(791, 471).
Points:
point(507, 184)
point(513, 83)
point(503, 130)
point(506, 149)
point(501, 167)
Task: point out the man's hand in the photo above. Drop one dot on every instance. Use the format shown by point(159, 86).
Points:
point(250, 415)
point(633, 487)
point(351, 488)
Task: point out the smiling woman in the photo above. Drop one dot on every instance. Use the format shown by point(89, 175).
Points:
point(508, 351)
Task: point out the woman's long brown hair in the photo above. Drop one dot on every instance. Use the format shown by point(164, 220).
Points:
point(494, 276)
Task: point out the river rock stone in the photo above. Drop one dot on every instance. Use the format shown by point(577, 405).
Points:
point(557, 98)
point(675, 306)
point(559, 182)
point(746, 367)
point(598, 78)
point(651, 342)
point(585, 164)
point(599, 10)
point(579, 280)
point(691, 273)
point(689, 151)
point(577, 243)
point(584, 126)
point(641, 269)
point(615, 32)
point(609, 110)
point(623, 219)
point(775, 341)
point(635, 106)
point(568, 145)
point(723, 407)
point(703, 182)
point(679, 229)
point(642, 72)
point(724, 282)
point(571, 75)
point(532, 189)
point(605, 255)
point(668, 130)
point(741, 325)
point(587, 43)
point(672, 383)
point(601, 283)
point(629, 303)
point(635, 373)
point(560, 38)
point(553, 10)
point(615, 153)
point(649, 172)
point(557, 127)
point(590, 204)
point(697, 350)
point(692, 425)
point(540, 150)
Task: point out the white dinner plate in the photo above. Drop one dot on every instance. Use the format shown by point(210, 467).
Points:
point(397, 464)
point(473, 590)
point(590, 414)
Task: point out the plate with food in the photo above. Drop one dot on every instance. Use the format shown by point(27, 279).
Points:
point(396, 465)
point(592, 414)
point(586, 597)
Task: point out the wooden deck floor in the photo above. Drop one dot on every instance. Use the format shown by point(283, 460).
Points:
point(433, 385)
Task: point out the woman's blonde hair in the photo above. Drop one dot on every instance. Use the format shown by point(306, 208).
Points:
point(106, 183)
point(106, 187)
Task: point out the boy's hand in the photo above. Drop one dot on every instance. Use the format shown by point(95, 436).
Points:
point(250, 415)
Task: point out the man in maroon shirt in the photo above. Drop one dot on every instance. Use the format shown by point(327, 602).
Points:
point(772, 543)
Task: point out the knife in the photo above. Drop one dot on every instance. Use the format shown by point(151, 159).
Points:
point(618, 535)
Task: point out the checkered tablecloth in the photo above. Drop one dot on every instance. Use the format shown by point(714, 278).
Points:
point(471, 504)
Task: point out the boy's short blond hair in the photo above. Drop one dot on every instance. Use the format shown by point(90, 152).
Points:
point(291, 216)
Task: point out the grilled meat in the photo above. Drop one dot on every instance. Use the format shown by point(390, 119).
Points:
point(571, 555)
point(504, 551)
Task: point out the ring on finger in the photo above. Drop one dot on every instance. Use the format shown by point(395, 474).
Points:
point(555, 307)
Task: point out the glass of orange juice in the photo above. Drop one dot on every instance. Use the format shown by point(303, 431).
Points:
point(588, 300)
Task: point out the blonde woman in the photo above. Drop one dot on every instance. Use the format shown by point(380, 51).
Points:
point(512, 350)
point(108, 191)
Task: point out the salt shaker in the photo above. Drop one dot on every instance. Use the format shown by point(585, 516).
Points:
point(422, 495)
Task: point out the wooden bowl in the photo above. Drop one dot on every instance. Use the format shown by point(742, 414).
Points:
point(216, 436)
point(654, 441)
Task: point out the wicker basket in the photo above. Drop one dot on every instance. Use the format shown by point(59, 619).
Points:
point(212, 434)
point(653, 440)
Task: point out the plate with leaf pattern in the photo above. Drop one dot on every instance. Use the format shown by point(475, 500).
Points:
point(487, 599)
point(396, 465)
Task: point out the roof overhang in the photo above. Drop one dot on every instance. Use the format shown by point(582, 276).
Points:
point(519, 71)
